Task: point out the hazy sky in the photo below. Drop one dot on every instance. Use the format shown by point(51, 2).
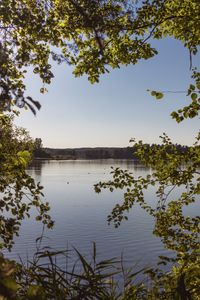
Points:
point(75, 113)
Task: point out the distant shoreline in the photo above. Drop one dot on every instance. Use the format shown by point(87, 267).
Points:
point(90, 153)
point(85, 153)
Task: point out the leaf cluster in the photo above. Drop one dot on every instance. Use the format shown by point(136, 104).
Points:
point(93, 36)
point(18, 191)
point(172, 167)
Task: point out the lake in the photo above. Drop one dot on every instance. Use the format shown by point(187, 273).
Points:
point(80, 214)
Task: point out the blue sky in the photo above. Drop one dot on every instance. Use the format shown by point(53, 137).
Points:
point(75, 113)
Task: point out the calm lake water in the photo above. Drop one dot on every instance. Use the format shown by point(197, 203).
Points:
point(80, 214)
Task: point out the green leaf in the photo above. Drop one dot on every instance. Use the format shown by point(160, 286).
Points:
point(159, 96)
point(153, 93)
point(194, 96)
point(34, 291)
point(10, 284)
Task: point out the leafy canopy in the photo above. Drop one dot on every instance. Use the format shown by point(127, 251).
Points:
point(93, 36)
point(18, 191)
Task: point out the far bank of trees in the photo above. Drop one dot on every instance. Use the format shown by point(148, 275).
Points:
point(94, 153)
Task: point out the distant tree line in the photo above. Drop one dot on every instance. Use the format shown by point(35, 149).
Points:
point(90, 153)
point(38, 150)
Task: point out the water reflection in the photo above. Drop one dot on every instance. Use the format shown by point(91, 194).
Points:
point(37, 165)
point(35, 169)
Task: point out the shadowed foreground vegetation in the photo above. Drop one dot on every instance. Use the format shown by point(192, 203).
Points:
point(90, 279)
